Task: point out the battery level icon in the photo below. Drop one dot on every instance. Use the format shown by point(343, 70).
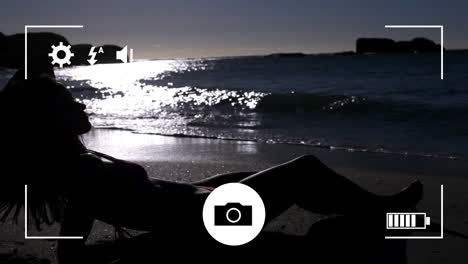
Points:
point(407, 221)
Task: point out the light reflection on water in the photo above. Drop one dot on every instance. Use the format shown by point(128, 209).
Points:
point(314, 100)
point(131, 96)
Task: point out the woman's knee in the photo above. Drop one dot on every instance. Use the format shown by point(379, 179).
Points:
point(305, 166)
point(307, 160)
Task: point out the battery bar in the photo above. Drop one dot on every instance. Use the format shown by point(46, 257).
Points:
point(407, 221)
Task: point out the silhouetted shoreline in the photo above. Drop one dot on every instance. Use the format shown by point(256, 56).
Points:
point(39, 46)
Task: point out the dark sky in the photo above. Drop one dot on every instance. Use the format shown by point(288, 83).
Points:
point(174, 28)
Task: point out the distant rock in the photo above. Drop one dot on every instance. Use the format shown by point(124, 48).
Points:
point(40, 45)
point(404, 47)
point(287, 55)
point(81, 52)
point(384, 45)
point(344, 53)
point(375, 45)
point(425, 45)
point(2, 42)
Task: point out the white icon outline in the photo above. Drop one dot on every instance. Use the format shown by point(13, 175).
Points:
point(408, 222)
point(441, 27)
point(65, 59)
point(123, 55)
point(26, 27)
point(229, 218)
point(441, 222)
point(234, 233)
point(92, 54)
point(26, 236)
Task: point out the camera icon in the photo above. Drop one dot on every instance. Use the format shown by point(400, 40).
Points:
point(233, 214)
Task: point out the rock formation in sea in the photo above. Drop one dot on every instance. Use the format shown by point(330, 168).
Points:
point(385, 45)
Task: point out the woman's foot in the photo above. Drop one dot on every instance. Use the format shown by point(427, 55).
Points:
point(407, 198)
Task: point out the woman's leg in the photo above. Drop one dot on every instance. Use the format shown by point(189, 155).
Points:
point(218, 180)
point(307, 182)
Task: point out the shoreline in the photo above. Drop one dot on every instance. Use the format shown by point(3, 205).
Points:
point(272, 153)
point(343, 148)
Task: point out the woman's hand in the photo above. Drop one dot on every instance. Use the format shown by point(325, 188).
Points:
point(105, 156)
point(77, 222)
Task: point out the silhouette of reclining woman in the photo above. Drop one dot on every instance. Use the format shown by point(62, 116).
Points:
point(70, 184)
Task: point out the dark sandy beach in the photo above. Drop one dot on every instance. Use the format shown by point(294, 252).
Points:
point(191, 159)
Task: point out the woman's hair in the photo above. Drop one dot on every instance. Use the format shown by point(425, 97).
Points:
point(33, 151)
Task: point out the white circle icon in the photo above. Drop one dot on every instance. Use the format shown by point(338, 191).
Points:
point(234, 214)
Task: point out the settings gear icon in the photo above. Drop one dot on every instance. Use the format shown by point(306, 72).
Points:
point(65, 59)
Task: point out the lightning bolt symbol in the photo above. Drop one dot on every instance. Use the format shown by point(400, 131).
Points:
point(93, 54)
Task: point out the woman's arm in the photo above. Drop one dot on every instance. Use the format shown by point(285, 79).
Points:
point(77, 222)
point(218, 180)
point(105, 156)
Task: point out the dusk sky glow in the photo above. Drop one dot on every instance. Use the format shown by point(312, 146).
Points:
point(166, 29)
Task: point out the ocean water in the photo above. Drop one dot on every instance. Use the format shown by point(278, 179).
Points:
point(394, 103)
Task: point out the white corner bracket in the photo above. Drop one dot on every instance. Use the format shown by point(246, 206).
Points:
point(441, 27)
point(441, 236)
point(26, 27)
point(26, 223)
